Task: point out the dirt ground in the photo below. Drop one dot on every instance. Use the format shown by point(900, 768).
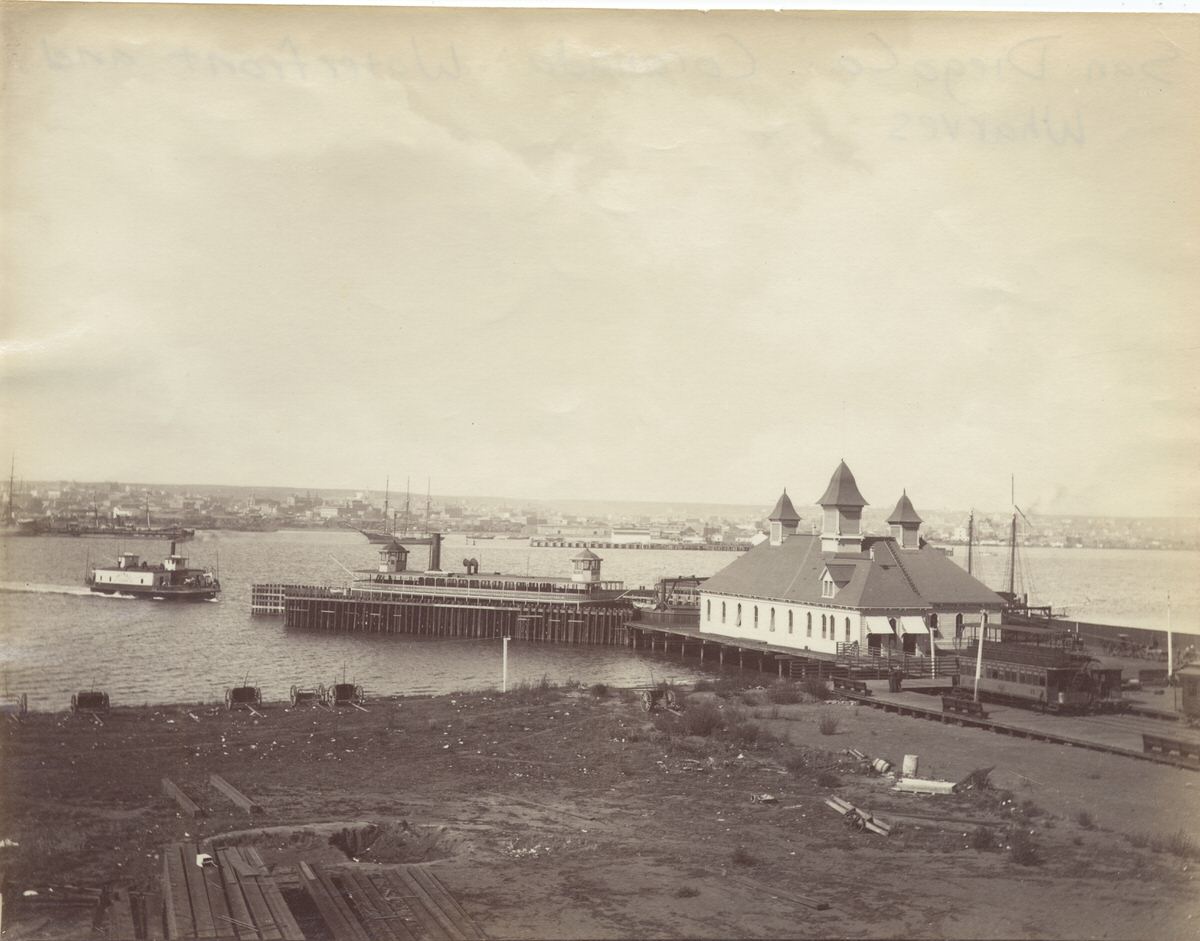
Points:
point(555, 813)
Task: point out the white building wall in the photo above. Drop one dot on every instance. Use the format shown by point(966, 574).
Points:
point(798, 635)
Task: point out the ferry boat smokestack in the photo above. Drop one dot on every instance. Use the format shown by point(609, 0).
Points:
point(435, 552)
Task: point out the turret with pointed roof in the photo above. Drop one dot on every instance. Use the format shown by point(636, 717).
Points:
point(905, 523)
point(586, 566)
point(784, 519)
point(843, 505)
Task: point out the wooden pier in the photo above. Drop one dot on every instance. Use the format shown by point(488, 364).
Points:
point(452, 615)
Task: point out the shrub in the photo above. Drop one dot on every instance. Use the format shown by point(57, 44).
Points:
point(702, 718)
point(742, 858)
point(1084, 819)
point(828, 779)
point(784, 693)
point(600, 690)
point(827, 724)
point(686, 892)
point(1178, 843)
point(815, 687)
point(983, 839)
point(1022, 849)
point(700, 686)
point(1029, 810)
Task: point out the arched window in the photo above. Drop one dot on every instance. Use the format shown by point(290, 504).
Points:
point(708, 610)
point(823, 619)
point(772, 619)
point(791, 623)
point(722, 612)
point(847, 630)
point(738, 622)
point(933, 626)
point(808, 629)
point(756, 617)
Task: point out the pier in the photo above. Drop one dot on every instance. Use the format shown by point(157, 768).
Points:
point(537, 543)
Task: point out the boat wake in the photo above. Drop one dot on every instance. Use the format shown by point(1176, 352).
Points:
point(36, 589)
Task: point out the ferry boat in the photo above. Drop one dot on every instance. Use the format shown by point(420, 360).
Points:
point(169, 580)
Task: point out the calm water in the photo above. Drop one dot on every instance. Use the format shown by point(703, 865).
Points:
point(57, 638)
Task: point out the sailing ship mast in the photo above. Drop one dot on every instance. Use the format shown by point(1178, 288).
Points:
point(387, 488)
point(971, 543)
point(12, 477)
point(428, 483)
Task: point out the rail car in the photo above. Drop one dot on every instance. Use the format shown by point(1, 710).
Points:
point(1065, 684)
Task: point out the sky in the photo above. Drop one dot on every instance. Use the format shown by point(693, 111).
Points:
point(605, 255)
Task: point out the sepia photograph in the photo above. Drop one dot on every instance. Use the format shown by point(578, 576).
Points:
point(560, 473)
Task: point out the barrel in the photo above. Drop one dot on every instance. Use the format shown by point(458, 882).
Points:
point(882, 765)
point(909, 767)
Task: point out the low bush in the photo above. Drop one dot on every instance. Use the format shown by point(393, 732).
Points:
point(1030, 810)
point(702, 686)
point(827, 724)
point(1084, 819)
point(1022, 849)
point(742, 857)
point(785, 693)
point(600, 690)
point(1178, 843)
point(983, 839)
point(686, 892)
point(815, 687)
point(828, 779)
point(702, 718)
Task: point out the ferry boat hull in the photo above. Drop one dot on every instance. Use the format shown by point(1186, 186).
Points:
point(158, 594)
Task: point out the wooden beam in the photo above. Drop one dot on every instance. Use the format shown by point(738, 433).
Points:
point(198, 892)
point(356, 932)
point(239, 914)
point(436, 924)
point(284, 918)
point(120, 909)
point(260, 912)
point(234, 794)
point(152, 916)
point(334, 920)
point(390, 917)
point(180, 923)
point(447, 902)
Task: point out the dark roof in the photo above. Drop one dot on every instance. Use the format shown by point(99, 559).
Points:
point(842, 490)
point(904, 512)
point(586, 555)
point(880, 577)
point(784, 512)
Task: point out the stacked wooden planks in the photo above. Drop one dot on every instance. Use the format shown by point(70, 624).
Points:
point(235, 900)
point(393, 904)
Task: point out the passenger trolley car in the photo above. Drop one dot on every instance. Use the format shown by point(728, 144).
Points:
point(1052, 680)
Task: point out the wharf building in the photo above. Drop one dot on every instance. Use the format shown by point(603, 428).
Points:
point(841, 591)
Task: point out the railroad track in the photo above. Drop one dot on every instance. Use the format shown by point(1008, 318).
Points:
point(1014, 731)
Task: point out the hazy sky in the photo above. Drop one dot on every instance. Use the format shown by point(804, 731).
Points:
point(606, 255)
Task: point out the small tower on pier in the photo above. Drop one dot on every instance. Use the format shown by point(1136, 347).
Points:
point(784, 519)
point(393, 558)
point(906, 524)
point(587, 567)
point(842, 504)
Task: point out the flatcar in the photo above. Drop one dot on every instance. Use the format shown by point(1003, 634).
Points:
point(1052, 681)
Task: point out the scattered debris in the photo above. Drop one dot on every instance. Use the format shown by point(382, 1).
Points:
point(8, 842)
point(977, 780)
point(763, 799)
point(858, 818)
point(924, 786)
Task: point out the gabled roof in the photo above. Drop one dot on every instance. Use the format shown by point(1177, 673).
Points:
point(784, 512)
point(586, 555)
point(881, 577)
point(904, 512)
point(842, 490)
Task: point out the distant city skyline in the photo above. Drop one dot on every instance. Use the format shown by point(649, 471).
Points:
point(606, 255)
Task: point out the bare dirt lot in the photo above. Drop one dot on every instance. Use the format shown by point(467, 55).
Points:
point(559, 813)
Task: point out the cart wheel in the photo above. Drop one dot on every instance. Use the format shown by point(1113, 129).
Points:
point(359, 696)
point(228, 699)
point(322, 694)
point(670, 697)
point(647, 701)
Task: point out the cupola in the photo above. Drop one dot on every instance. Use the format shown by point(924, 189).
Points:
point(784, 519)
point(842, 506)
point(586, 567)
point(906, 524)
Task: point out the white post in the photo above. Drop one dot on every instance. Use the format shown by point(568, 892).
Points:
point(979, 652)
point(932, 650)
point(504, 668)
point(1170, 647)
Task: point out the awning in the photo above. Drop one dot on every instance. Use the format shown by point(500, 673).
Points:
point(879, 626)
point(912, 624)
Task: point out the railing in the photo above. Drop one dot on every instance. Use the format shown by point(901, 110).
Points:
point(677, 618)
